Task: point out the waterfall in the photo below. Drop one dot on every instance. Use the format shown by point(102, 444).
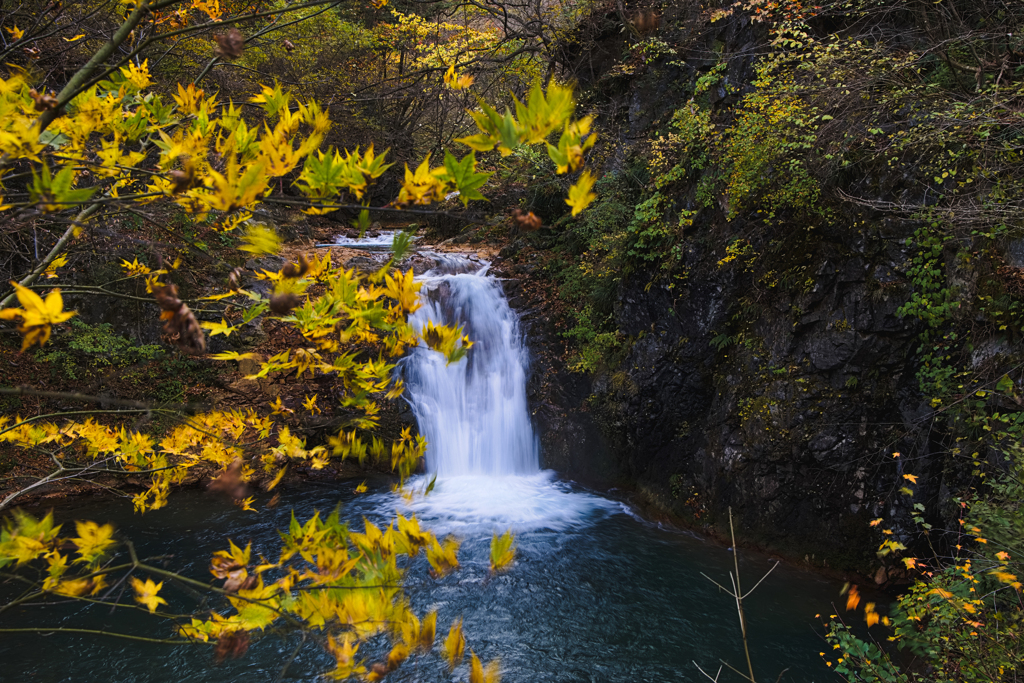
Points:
point(473, 413)
point(482, 451)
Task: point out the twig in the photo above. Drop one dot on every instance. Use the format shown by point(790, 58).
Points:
point(40, 629)
point(739, 596)
point(715, 679)
point(83, 215)
point(86, 398)
point(288, 662)
point(762, 578)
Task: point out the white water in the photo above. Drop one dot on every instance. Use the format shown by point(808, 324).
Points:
point(481, 444)
point(380, 241)
point(473, 413)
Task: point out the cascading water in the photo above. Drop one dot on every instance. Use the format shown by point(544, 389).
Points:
point(473, 413)
point(480, 440)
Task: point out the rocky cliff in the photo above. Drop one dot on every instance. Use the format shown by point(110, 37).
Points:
point(758, 352)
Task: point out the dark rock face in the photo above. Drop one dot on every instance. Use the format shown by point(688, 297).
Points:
point(782, 394)
point(792, 422)
point(572, 441)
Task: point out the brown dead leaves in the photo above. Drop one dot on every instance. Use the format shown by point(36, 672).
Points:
point(180, 324)
point(230, 44)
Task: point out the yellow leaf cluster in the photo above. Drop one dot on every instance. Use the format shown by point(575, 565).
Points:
point(456, 82)
point(36, 316)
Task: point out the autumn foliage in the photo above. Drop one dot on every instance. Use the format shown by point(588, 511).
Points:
point(120, 135)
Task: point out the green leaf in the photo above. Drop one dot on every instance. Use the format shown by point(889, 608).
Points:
point(56, 192)
point(1005, 385)
point(321, 175)
point(559, 155)
point(464, 176)
point(53, 139)
point(251, 313)
point(401, 245)
point(509, 134)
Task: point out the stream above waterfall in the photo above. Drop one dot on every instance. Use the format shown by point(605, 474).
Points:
point(595, 593)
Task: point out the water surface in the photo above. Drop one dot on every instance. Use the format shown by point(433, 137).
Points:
point(595, 593)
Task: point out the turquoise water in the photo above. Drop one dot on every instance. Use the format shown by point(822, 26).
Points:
point(604, 596)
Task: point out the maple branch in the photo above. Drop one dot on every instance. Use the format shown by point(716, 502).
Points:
point(81, 77)
point(87, 398)
point(73, 412)
point(360, 207)
point(76, 225)
point(61, 629)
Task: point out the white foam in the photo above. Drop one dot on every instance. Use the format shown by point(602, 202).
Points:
point(474, 414)
point(481, 505)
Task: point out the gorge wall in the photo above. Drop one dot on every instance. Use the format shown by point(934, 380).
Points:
point(754, 356)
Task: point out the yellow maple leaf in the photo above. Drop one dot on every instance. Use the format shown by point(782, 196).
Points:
point(912, 478)
point(216, 328)
point(93, 540)
point(345, 652)
point(37, 316)
point(76, 38)
point(146, 593)
point(135, 268)
point(16, 33)
point(454, 645)
point(870, 615)
point(502, 551)
point(361, 488)
point(278, 407)
point(59, 262)
point(580, 195)
point(422, 186)
point(137, 75)
point(853, 599)
point(211, 8)
point(260, 240)
point(456, 82)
